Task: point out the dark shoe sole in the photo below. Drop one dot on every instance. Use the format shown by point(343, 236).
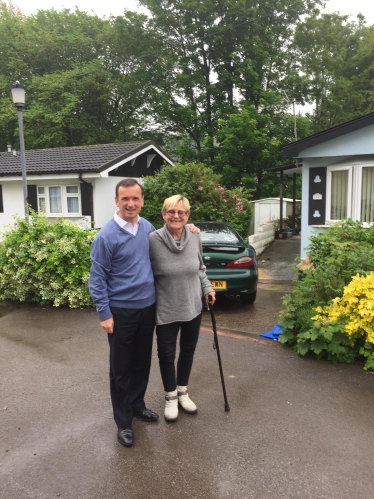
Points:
point(185, 410)
point(144, 419)
point(124, 443)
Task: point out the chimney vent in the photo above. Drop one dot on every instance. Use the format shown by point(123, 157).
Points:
point(14, 153)
point(9, 148)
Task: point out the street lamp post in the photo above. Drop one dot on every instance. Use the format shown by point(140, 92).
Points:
point(18, 96)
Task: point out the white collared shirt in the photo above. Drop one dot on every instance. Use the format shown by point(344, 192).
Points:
point(127, 226)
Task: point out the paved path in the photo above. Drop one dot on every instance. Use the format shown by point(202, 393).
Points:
point(278, 261)
point(297, 428)
point(276, 273)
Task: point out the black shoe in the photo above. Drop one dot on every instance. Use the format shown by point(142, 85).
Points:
point(125, 437)
point(146, 415)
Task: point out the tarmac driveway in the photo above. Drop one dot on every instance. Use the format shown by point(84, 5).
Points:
point(297, 428)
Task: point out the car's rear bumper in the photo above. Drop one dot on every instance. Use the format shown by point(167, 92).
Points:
point(243, 281)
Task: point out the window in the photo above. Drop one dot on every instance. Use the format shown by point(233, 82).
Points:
point(72, 198)
point(339, 195)
point(338, 192)
point(59, 200)
point(55, 205)
point(350, 193)
point(41, 199)
point(367, 195)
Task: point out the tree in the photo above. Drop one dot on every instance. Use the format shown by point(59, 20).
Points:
point(249, 143)
point(201, 186)
point(336, 57)
point(213, 54)
point(11, 20)
point(85, 77)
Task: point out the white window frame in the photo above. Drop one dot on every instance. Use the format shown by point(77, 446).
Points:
point(354, 190)
point(331, 169)
point(357, 199)
point(64, 197)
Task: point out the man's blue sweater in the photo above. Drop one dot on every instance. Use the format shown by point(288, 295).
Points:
point(121, 273)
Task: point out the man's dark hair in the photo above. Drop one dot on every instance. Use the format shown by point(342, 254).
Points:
point(128, 182)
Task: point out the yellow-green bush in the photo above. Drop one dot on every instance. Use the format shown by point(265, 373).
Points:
point(343, 330)
point(355, 307)
point(340, 287)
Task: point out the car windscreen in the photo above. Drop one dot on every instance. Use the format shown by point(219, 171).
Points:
point(217, 234)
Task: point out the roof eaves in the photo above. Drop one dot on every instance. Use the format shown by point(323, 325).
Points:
point(121, 157)
point(47, 172)
point(135, 151)
point(287, 166)
point(294, 149)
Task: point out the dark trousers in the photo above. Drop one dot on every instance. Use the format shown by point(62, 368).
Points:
point(130, 361)
point(166, 345)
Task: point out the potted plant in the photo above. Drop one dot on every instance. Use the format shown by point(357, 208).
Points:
point(284, 233)
point(294, 225)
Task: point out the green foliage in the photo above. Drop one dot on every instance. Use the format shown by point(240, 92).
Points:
point(209, 200)
point(46, 263)
point(249, 143)
point(299, 308)
point(86, 79)
point(217, 58)
point(336, 58)
point(328, 341)
point(212, 80)
point(367, 351)
point(347, 234)
point(337, 254)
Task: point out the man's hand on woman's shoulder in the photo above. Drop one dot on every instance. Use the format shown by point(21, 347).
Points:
point(193, 228)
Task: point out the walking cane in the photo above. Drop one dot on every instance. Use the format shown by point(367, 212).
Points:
point(216, 346)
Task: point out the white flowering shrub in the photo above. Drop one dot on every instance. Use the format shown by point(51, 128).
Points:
point(46, 263)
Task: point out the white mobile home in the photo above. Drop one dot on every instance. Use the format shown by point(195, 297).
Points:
point(74, 182)
point(337, 175)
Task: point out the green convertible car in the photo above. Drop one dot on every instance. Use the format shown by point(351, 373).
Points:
point(231, 263)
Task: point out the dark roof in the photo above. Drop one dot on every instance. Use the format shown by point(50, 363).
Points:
point(95, 158)
point(292, 150)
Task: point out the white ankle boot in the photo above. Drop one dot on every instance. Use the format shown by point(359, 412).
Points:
point(171, 406)
point(185, 401)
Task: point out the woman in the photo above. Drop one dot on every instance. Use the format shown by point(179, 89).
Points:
point(181, 282)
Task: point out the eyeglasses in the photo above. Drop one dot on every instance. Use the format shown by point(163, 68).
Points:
point(180, 213)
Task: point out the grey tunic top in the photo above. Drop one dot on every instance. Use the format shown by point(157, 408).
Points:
point(179, 274)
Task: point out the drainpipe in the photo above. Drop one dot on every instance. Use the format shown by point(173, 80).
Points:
point(281, 203)
point(294, 200)
point(81, 179)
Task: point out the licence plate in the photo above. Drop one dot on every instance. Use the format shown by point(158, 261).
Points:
point(218, 284)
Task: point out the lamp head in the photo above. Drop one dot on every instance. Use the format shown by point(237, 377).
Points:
point(18, 94)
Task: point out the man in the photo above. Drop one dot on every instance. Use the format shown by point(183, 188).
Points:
point(122, 288)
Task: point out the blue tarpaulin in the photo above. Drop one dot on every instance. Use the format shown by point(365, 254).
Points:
point(274, 333)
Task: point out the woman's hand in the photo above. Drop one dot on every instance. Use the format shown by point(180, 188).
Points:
point(210, 298)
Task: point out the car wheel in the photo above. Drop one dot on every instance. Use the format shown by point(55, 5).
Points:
point(248, 299)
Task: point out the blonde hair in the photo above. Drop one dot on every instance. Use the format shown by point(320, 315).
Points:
point(171, 202)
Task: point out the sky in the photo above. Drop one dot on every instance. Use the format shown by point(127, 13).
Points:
point(116, 7)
